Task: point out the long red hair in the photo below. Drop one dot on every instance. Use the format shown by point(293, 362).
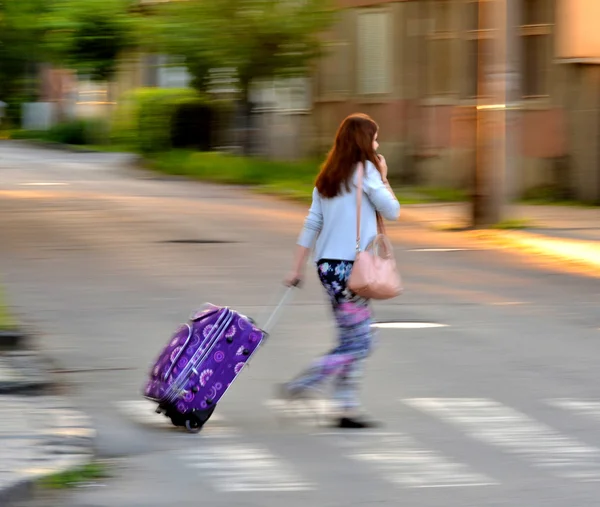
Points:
point(353, 144)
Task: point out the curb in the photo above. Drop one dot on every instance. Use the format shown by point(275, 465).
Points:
point(71, 148)
point(62, 446)
point(36, 143)
point(12, 338)
point(40, 435)
point(23, 371)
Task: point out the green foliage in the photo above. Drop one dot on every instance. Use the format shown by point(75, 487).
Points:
point(21, 29)
point(419, 195)
point(514, 223)
point(232, 169)
point(442, 194)
point(78, 132)
point(257, 38)
point(553, 195)
point(85, 35)
point(145, 119)
point(89, 36)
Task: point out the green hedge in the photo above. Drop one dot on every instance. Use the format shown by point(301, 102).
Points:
point(77, 132)
point(149, 120)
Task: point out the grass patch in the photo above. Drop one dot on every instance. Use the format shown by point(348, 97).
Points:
point(513, 224)
point(439, 194)
point(452, 227)
point(87, 473)
point(298, 191)
point(232, 169)
point(551, 195)
point(564, 202)
point(292, 180)
point(7, 322)
point(508, 224)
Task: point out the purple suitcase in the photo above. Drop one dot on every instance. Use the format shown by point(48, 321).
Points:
point(201, 361)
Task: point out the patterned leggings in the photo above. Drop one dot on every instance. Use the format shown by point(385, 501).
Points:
point(346, 361)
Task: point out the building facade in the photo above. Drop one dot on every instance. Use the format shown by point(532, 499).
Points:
point(413, 66)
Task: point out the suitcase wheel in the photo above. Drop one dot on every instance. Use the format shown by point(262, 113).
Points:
point(198, 419)
point(193, 425)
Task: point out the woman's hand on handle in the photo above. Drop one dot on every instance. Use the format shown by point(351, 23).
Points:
point(296, 276)
point(294, 279)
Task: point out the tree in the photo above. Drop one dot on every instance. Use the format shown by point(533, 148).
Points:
point(89, 35)
point(257, 39)
point(21, 29)
point(86, 35)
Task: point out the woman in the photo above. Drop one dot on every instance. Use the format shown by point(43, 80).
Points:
point(330, 228)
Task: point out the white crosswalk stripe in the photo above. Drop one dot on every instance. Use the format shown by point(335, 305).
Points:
point(404, 462)
point(495, 424)
point(586, 408)
point(237, 462)
point(238, 467)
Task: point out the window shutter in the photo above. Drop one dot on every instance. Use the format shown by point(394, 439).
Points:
point(374, 53)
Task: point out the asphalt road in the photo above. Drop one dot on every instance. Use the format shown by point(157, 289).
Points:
point(496, 405)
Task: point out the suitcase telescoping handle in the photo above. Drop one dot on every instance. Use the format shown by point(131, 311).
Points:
point(272, 320)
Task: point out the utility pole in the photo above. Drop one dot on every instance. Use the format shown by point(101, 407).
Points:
point(514, 53)
point(496, 91)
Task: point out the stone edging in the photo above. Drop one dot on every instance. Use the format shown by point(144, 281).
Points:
point(59, 438)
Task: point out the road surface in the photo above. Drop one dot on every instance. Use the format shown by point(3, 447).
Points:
point(495, 402)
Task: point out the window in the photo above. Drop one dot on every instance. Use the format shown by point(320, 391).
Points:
point(478, 44)
point(374, 52)
point(479, 49)
point(440, 44)
point(293, 94)
point(536, 32)
point(334, 69)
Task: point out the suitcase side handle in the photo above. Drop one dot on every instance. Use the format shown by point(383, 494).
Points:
point(183, 347)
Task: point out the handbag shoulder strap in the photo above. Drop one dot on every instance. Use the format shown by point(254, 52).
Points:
point(359, 191)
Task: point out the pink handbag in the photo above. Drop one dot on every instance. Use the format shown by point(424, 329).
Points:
point(374, 273)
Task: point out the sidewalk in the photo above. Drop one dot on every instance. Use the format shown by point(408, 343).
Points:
point(40, 434)
point(564, 233)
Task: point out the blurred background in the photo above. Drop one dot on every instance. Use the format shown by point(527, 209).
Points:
point(158, 154)
point(466, 92)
